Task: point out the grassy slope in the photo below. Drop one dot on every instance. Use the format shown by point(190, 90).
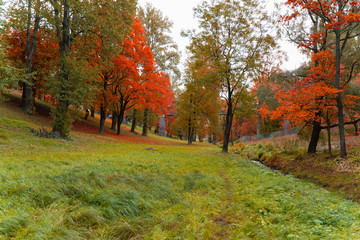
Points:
point(104, 188)
point(288, 154)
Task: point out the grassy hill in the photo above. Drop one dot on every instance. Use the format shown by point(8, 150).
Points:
point(110, 187)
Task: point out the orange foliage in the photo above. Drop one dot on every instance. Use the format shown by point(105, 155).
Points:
point(44, 56)
point(131, 81)
point(312, 97)
point(335, 19)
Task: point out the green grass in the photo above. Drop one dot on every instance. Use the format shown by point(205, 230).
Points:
point(96, 188)
point(336, 174)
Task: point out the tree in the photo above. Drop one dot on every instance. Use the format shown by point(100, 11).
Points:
point(158, 97)
point(298, 32)
point(109, 44)
point(264, 97)
point(312, 99)
point(28, 15)
point(75, 22)
point(165, 50)
point(342, 17)
point(198, 105)
point(232, 39)
point(43, 60)
point(158, 30)
point(132, 69)
point(9, 74)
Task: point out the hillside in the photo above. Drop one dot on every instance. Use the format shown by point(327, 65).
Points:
point(132, 187)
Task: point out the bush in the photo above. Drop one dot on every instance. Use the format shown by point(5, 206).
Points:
point(44, 133)
point(271, 159)
point(267, 154)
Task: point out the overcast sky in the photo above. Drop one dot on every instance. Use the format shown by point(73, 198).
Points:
point(181, 13)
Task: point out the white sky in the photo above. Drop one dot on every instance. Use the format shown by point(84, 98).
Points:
point(181, 13)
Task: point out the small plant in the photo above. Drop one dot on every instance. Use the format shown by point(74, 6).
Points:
point(43, 132)
point(271, 159)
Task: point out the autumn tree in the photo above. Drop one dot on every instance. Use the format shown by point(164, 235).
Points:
point(109, 45)
point(165, 50)
point(233, 36)
point(198, 105)
point(195, 111)
point(43, 60)
point(27, 15)
point(353, 113)
point(342, 18)
point(9, 74)
point(312, 98)
point(132, 69)
point(158, 96)
point(75, 22)
point(264, 99)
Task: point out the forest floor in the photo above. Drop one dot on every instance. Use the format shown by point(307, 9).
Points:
point(133, 187)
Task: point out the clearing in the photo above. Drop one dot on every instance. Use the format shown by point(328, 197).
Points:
point(106, 187)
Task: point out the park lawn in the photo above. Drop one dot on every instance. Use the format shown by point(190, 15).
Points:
point(95, 187)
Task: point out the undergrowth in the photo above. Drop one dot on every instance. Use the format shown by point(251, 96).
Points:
point(333, 173)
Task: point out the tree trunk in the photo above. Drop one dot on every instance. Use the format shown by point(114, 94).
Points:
point(169, 132)
point(120, 116)
point(27, 98)
point(228, 124)
point(329, 139)
point(356, 129)
point(180, 135)
point(30, 49)
point(92, 111)
point(190, 137)
point(61, 118)
point(258, 126)
point(133, 122)
point(145, 125)
point(33, 99)
point(194, 135)
point(102, 119)
point(113, 120)
point(86, 114)
point(339, 102)
point(315, 135)
point(214, 139)
point(61, 122)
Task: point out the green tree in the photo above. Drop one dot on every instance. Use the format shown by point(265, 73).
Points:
point(109, 45)
point(198, 105)
point(76, 24)
point(233, 38)
point(28, 15)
